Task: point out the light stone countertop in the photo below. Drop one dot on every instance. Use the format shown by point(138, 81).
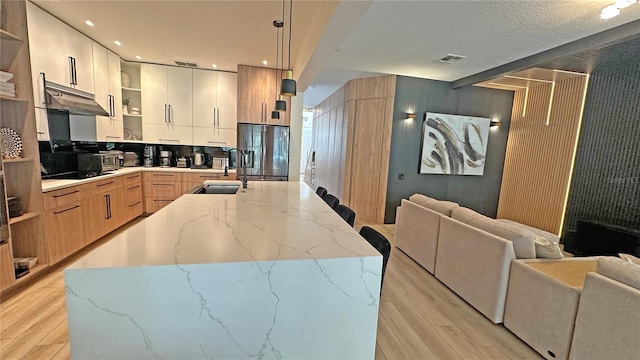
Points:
point(269, 221)
point(50, 185)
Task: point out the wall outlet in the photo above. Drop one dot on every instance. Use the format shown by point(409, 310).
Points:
point(401, 176)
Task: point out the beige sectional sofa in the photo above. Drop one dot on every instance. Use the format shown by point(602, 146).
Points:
point(492, 265)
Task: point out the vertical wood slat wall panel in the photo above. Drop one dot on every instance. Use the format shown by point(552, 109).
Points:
point(352, 139)
point(606, 181)
point(539, 156)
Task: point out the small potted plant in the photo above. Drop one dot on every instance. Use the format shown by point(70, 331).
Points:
point(125, 106)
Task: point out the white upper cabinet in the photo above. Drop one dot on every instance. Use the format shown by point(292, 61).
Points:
point(106, 71)
point(63, 54)
point(179, 96)
point(153, 80)
point(166, 95)
point(227, 100)
point(167, 103)
point(205, 95)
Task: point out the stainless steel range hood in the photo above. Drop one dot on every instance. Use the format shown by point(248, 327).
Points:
point(60, 97)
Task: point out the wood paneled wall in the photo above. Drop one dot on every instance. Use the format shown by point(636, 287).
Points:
point(540, 157)
point(351, 140)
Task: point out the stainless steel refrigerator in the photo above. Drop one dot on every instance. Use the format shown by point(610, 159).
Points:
point(270, 144)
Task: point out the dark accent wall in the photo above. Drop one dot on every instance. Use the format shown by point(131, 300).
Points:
point(479, 193)
point(606, 178)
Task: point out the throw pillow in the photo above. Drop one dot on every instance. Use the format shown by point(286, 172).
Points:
point(546, 249)
point(629, 258)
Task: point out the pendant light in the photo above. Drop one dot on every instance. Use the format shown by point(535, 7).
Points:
point(288, 85)
point(275, 114)
point(281, 104)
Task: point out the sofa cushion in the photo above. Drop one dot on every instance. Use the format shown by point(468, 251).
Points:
point(620, 270)
point(551, 237)
point(420, 199)
point(522, 239)
point(629, 258)
point(442, 207)
point(546, 249)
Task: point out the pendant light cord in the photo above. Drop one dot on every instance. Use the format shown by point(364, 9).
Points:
point(290, 22)
point(277, 56)
point(282, 49)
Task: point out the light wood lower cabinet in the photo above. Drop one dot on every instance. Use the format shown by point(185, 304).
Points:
point(79, 215)
point(102, 214)
point(7, 277)
point(64, 233)
point(160, 189)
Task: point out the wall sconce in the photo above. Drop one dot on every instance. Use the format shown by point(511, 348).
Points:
point(495, 123)
point(411, 116)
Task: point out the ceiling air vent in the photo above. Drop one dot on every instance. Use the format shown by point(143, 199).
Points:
point(187, 64)
point(451, 58)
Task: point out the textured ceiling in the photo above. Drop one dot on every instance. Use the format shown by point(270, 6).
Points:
point(226, 33)
point(407, 37)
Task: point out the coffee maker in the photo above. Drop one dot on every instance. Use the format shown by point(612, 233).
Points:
point(165, 158)
point(150, 155)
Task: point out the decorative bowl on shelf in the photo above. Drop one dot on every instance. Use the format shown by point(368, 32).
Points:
point(10, 144)
point(124, 78)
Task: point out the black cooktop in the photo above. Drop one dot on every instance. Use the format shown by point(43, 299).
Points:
point(73, 175)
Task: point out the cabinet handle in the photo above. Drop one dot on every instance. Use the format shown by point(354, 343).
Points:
point(218, 116)
point(165, 113)
point(40, 132)
point(44, 90)
point(133, 177)
point(208, 176)
point(71, 70)
point(132, 205)
point(158, 200)
point(65, 194)
point(75, 71)
point(216, 142)
point(170, 119)
point(107, 204)
point(65, 210)
point(172, 185)
point(133, 187)
point(110, 182)
point(113, 137)
point(164, 175)
point(171, 140)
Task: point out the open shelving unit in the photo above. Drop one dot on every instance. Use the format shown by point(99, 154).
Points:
point(133, 92)
point(21, 176)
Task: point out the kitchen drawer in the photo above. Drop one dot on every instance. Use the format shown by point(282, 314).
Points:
point(202, 176)
point(135, 209)
point(97, 187)
point(133, 193)
point(133, 179)
point(162, 190)
point(62, 233)
point(162, 176)
point(56, 198)
point(152, 205)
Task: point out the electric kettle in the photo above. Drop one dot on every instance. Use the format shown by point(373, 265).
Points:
point(198, 159)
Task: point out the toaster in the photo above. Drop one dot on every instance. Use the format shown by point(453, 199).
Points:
point(183, 162)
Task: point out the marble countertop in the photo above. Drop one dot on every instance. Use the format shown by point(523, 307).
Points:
point(269, 221)
point(50, 185)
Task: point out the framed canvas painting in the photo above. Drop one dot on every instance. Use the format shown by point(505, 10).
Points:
point(454, 144)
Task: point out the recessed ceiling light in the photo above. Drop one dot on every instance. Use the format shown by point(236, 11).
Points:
point(89, 22)
point(609, 12)
point(264, 62)
point(215, 66)
point(117, 42)
point(138, 57)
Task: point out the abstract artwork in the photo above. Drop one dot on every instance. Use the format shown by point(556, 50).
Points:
point(454, 144)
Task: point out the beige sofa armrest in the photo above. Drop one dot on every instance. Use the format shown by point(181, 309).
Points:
point(608, 321)
point(475, 265)
point(417, 231)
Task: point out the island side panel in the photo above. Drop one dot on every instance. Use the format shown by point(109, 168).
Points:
point(325, 308)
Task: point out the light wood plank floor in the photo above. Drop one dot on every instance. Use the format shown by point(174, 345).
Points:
point(419, 318)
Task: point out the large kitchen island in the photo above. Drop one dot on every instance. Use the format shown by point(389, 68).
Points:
point(270, 272)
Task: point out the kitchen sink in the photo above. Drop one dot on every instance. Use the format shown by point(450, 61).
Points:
point(215, 189)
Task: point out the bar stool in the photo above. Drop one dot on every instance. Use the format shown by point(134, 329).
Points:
point(380, 243)
point(321, 191)
point(347, 214)
point(331, 201)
